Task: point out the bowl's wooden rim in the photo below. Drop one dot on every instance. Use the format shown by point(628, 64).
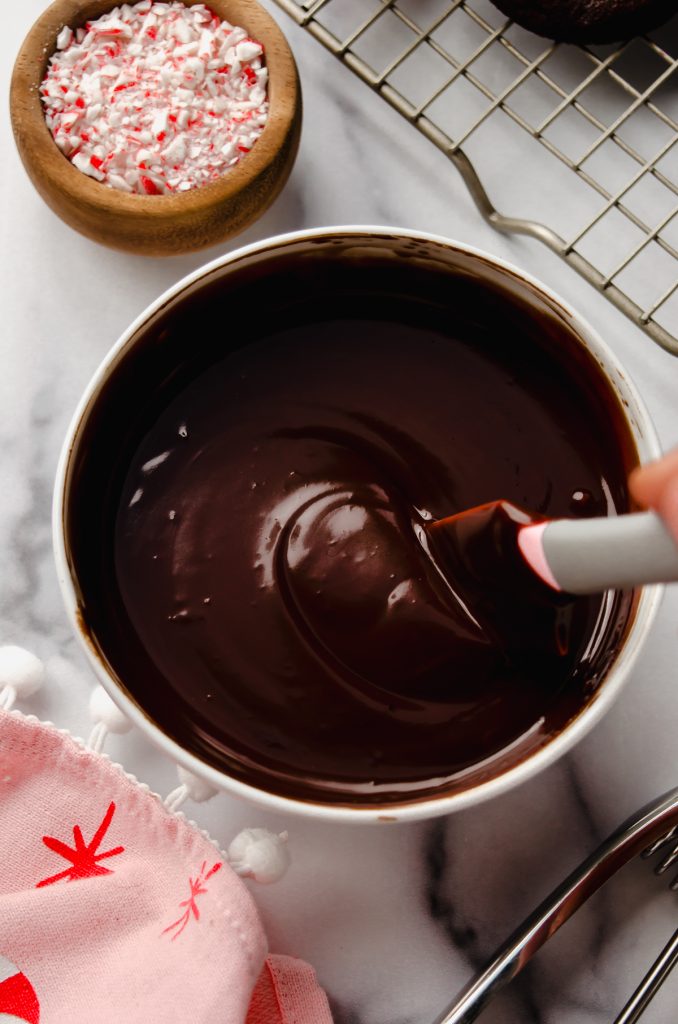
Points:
point(28, 120)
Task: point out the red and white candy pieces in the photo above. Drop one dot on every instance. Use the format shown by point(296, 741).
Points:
point(156, 98)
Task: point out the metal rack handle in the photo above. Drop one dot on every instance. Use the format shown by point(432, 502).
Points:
point(628, 841)
point(648, 101)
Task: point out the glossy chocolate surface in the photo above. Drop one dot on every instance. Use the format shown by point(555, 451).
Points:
point(249, 508)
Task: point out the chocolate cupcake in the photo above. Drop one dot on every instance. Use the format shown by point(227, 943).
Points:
point(588, 21)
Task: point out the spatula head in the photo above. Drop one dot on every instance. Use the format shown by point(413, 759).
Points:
point(477, 553)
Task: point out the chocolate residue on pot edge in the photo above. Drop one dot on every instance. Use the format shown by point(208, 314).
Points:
point(247, 516)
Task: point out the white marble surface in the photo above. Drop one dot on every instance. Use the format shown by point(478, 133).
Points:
point(395, 919)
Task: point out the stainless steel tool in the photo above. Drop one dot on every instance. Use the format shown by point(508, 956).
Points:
point(653, 828)
point(649, 986)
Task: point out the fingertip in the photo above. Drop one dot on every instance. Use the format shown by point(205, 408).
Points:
point(667, 505)
point(638, 485)
point(647, 483)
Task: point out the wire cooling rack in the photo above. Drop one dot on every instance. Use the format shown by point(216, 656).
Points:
point(588, 133)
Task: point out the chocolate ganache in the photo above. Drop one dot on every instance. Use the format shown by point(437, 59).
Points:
point(249, 512)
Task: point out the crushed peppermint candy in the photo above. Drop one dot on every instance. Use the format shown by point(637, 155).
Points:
point(156, 98)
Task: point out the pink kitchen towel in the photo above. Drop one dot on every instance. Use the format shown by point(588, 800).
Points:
point(114, 909)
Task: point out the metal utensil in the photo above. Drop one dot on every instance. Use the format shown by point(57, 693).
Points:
point(645, 833)
point(651, 983)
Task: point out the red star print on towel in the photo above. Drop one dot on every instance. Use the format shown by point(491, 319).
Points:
point(197, 889)
point(83, 856)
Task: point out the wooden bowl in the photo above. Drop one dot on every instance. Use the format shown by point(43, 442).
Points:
point(169, 224)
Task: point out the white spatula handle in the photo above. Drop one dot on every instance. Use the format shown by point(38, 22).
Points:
point(586, 556)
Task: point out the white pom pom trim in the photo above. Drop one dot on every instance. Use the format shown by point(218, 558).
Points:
point(260, 854)
point(198, 789)
point(21, 675)
point(107, 717)
point(191, 787)
point(103, 709)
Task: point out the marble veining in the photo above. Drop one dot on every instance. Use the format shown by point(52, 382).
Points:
point(395, 919)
